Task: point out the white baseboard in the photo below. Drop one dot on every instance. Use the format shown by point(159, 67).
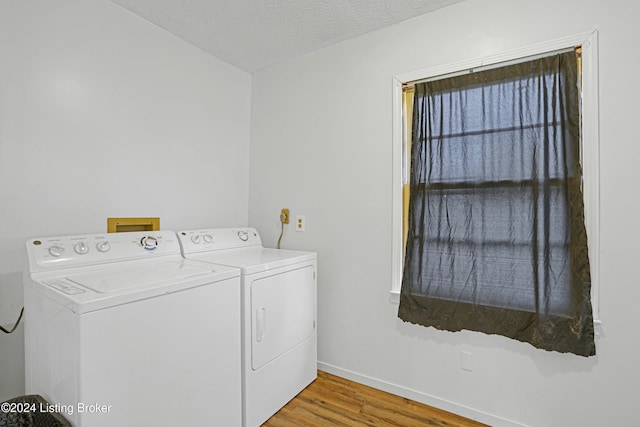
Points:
point(418, 396)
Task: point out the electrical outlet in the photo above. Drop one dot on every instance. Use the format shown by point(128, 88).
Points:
point(466, 360)
point(300, 222)
point(284, 216)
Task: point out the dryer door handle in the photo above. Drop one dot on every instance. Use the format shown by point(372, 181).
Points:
point(261, 325)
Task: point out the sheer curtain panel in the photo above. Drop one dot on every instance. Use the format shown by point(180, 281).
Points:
point(496, 240)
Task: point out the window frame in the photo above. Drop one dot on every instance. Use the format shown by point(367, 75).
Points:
point(590, 145)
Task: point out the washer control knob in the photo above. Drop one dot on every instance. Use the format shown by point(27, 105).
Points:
point(243, 235)
point(103, 246)
point(81, 248)
point(208, 238)
point(56, 251)
point(195, 238)
point(149, 243)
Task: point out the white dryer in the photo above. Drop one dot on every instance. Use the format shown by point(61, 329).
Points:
point(278, 311)
point(121, 330)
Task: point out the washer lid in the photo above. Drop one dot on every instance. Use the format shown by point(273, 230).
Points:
point(86, 289)
point(138, 276)
point(255, 259)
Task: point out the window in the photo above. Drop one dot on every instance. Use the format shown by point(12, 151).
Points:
point(461, 186)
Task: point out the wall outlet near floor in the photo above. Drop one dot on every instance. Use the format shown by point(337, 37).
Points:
point(300, 222)
point(466, 361)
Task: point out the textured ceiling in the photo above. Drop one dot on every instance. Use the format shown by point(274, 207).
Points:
point(253, 34)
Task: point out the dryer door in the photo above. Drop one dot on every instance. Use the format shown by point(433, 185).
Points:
point(282, 313)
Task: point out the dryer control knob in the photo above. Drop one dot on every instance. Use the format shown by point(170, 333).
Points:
point(208, 238)
point(56, 251)
point(81, 248)
point(243, 235)
point(103, 246)
point(195, 238)
point(149, 243)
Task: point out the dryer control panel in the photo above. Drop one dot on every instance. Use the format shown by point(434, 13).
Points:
point(51, 253)
point(216, 239)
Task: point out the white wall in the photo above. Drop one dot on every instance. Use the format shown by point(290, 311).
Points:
point(103, 115)
point(321, 146)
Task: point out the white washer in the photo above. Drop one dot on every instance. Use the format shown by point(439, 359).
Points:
point(121, 330)
point(278, 311)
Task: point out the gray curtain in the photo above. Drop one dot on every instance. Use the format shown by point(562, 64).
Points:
point(496, 240)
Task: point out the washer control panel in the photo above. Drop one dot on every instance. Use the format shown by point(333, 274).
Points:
point(64, 285)
point(70, 251)
point(217, 239)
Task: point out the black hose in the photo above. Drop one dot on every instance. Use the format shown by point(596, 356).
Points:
point(14, 326)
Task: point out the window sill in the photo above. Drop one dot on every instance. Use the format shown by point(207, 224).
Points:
point(394, 297)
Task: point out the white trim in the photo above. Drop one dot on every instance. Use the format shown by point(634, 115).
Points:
point(418, 396)
point(591, 162)
point(396, 200)
point(591, 143)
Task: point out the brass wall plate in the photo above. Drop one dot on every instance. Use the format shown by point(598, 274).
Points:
point(118, 225)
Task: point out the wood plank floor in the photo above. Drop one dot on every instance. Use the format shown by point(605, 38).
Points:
point(333, 401)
